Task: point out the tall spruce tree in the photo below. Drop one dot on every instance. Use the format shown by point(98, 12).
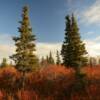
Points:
point(25, 58)
point(58, 62)
point(65, 52)
point(73, 49)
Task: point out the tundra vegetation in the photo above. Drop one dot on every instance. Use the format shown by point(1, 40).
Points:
point(74, 77)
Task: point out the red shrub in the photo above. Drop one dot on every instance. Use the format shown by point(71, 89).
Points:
point(92, 72)
point(28, 95)
point(50, 83)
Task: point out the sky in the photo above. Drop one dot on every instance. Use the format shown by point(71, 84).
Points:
point(47, 18)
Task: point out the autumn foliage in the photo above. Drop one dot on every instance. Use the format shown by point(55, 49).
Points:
point(49, 83)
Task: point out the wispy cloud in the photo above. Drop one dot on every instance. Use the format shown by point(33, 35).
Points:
point(7, 47)
point(92, 14)
point(43, 49)
point(93, 47)
point(6, 39)
point(90, 33)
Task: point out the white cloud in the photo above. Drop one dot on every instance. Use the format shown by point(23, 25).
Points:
point(6, 39)
point(6, 51)
point(97, 39)
point(92, 14)
point(7, 47)
point(93, 47)
point(43, 49)
point(90, 33)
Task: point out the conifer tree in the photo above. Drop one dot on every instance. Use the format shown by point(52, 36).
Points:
point(73, 49)
point(50, 58)
point(11, 64)
point(99, 61)
point(42, 61)
point(25, 58)
point(58, 62)
point(4, 63)
point(65, 52)
point(92, 61)
point(47, 59)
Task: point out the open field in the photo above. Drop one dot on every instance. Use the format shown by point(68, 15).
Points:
point(49, 83)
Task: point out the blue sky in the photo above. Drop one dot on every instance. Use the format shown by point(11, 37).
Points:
point(47, 19)
point(46, 16)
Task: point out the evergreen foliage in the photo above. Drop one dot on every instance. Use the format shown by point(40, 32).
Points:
point(92, 61)
point(58, 62)
point(47, 59)
point(73, 49)
point(4, 62)
point(42, 60)
point(99, 61)
point(25, 58)
point(50, 59)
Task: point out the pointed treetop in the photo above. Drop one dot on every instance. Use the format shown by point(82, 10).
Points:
point(73, 49)
point(73, 17)
point(67, 17)
point(58, 62)
point(25, 58)
point(74, 21)
point(25, 8)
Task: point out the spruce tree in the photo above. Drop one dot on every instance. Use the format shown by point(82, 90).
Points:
point(78, 55)
point(58, 62)
point(47, 59)
point(42, 61)
point(4, 63)
point(50, 58)
point(25, 58)
point(73, 49)
point(99, 61)
point(65, 52)
point(77, 45)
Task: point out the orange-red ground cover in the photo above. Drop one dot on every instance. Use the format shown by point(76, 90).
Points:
point(49, 83)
